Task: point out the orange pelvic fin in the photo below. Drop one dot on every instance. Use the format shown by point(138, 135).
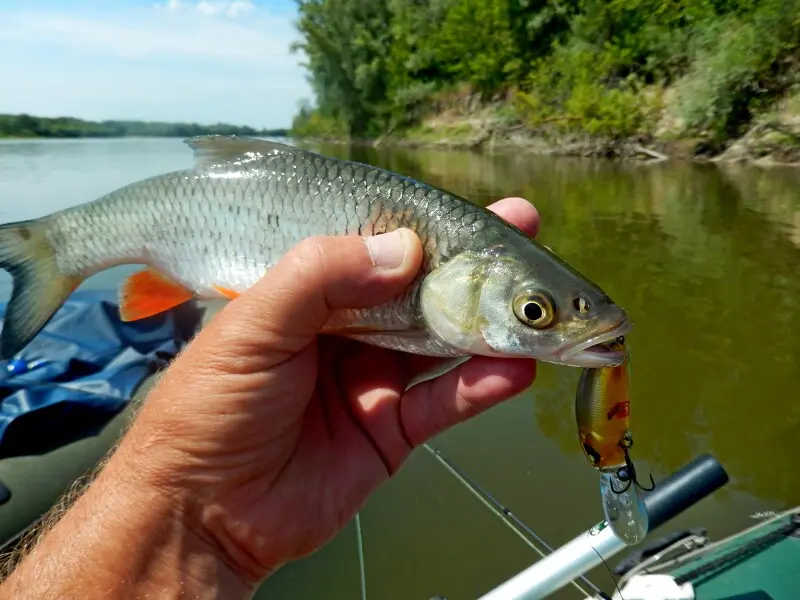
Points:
point(228, 293)
point(149, 293)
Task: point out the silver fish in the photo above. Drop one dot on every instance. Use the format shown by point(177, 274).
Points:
point(211, 231)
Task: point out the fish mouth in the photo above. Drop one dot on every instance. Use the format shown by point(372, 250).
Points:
point(597, 351)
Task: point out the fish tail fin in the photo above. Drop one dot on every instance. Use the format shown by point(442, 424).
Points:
point(39, 287)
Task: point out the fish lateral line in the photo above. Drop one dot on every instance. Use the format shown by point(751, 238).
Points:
point(344, 330)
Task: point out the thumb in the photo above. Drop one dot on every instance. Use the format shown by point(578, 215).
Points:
point(293, 301)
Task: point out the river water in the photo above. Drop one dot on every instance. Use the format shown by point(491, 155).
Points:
point(705, 259)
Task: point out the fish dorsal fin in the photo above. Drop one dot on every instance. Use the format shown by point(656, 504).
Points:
point(212, 150)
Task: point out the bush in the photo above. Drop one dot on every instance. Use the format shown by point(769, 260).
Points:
point(575, 89)
point(311, 123)
point(737, 69)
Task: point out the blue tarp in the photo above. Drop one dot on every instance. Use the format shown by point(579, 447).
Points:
point(83, 368)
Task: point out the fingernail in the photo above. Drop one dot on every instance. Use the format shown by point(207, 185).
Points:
point(387, 250)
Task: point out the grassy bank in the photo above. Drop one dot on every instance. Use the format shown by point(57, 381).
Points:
point(638, 78)
point(771, 137)
point(27, 126)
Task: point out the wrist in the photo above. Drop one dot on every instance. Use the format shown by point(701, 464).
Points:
point(172, 478)
point(126, 537)
point(172, 519)
point(171, 550)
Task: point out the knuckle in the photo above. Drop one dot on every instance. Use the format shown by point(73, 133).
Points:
point(308, 261)
point(467, 409)
point(329, 258)
point(309, 253)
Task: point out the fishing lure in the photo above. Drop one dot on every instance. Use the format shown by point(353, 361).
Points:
point(602, 412)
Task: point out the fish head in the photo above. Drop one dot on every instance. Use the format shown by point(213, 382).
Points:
point(521, 300)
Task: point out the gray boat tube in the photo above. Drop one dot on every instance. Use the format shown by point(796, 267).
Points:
point(684, 488)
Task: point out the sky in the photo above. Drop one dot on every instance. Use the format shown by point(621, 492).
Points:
point(204, 61)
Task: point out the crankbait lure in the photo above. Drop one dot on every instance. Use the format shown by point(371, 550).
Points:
point(602, 411)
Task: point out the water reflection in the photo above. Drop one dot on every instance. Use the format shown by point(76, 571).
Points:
point(705, 259)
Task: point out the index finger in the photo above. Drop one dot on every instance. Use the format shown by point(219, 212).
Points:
point(519, 212)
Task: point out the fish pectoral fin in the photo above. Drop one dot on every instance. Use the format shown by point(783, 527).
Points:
point(210, 150)
point(148, 293)
point(437, 369)
point(228, 293)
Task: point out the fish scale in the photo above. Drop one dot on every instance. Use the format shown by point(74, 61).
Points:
point(141, 226)
point(213, 230)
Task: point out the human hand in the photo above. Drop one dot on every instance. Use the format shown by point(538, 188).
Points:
point(273, 437)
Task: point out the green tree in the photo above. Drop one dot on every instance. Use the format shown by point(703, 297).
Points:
point(347, 43)
point(595, 66)
point(476, 43)
point(414, 69)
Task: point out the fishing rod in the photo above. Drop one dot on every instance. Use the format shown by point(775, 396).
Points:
point(362, 571)
point(492, 503)
point(503, 512)
point(681, 490)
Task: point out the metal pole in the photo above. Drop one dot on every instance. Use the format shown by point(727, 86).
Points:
point(681, 490)
point(567, 563)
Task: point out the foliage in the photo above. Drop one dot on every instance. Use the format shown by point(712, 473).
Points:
point(412, 59)
point(593, 66)
point(742, 63)
point(569, 90)
point(347, 44)
point(313, 123)
point(487, 55)
point(68, 127)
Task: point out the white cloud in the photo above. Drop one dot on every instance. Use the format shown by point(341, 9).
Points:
point(173, 5)
point(198, 61)
point(268, 38)
point(231, 9)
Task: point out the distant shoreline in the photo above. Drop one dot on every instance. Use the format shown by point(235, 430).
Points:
point(23, 126)
point(282, 134)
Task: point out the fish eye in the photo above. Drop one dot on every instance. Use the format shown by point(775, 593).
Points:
point(581, 304)
point(534, 309)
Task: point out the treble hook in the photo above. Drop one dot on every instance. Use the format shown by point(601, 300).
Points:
point(628, 472)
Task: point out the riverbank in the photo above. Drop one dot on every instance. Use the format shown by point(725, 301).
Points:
point(764, 145)
point(772, 139)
